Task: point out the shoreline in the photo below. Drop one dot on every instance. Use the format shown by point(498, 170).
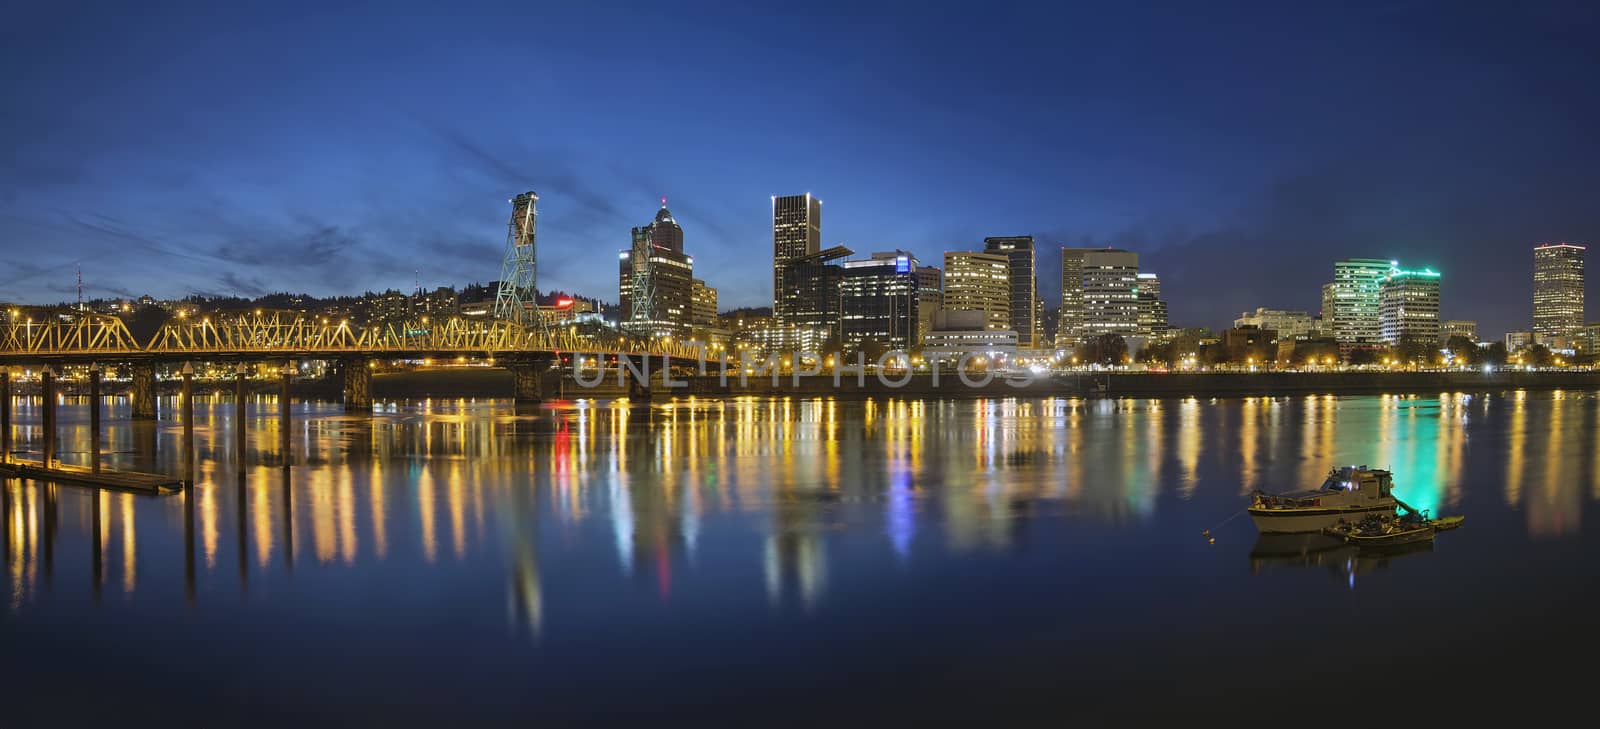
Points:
point(496, 383)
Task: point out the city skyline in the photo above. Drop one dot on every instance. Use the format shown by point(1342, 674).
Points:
point(380, 149)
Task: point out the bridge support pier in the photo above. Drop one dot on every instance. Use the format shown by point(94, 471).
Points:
point(5, 416)
point(94, 418)
point(534, 380)
point(48, 378)
point(641, 380)
point(357, 384)
point(143, 394)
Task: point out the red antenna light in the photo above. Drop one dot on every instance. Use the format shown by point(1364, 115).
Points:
point(663, 202)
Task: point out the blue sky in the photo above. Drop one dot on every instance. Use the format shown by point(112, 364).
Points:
point(1239, 148)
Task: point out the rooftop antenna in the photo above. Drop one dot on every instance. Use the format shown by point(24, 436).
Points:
point(78, 267)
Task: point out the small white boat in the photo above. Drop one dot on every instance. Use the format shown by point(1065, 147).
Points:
point(1350, 494)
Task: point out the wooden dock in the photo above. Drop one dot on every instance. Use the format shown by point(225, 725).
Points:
point(149, 483)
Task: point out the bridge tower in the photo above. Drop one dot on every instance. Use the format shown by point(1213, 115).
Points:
point(643, 293)
point(515, 301)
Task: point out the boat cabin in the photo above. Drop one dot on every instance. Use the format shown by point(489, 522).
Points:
point(1370, 482)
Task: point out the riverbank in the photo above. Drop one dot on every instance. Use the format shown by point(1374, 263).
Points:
point(485, 382)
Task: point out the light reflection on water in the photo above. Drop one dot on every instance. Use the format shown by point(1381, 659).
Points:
point(575, 512)
point(430, 474)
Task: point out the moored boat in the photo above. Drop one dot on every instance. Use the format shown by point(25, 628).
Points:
point(1382, 531)
point(1350, 493)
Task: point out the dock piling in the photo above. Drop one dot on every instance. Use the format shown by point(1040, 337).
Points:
point(188, 425)
point(5, 414)
point(94, 419)
point(283, 415)
point(48, 378)
point(238, 416)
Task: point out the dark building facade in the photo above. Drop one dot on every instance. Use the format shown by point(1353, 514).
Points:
point(879, 302)
point(809, 288)
point(1025, 306)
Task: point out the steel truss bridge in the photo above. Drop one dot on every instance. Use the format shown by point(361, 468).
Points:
point(266, 335)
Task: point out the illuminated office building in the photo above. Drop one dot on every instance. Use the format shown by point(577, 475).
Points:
point(655, 280)
point(879, 302)
point(1408, 306)
point(1355, 298)
point(979, 282)
point(1099, 294)
point(1557, 290)
point(796, 238)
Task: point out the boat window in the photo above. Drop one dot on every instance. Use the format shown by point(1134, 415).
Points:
point(1334, 484)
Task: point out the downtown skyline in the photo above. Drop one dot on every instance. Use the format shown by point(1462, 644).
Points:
point(338, 173)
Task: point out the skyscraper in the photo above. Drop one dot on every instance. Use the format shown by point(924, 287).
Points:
point(878, 302)
point(979, 282)
point(1355, 292)
point(796, 233)
point(1070, 322)
point(1099, 294)
point(1023, 284)
point(1152, 308)
point(656, 280)
point(1557, 290)
point(930, 299)
point(702, 304)
point(810, 294)
point(1408, 306)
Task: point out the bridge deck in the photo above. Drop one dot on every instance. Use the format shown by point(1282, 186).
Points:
point(82, 476)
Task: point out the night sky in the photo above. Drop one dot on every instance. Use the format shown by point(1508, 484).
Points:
point(1238, 149)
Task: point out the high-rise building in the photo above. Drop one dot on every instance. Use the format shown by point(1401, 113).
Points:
point(1458, 328)
point(1288, 324)
point(796, 234)
point(1152, 308)
point(702, 304)
point(1328, 298)
point(979, 282)
point(1408, 306)
point(1099, 294)
point(656, 280)
point(1355, 287)
point(930, 299)
point(1557, 290)
point(1024, 285)
point(810, 291)
point(878, 302)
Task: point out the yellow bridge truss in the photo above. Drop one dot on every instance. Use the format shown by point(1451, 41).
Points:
point(287, 333)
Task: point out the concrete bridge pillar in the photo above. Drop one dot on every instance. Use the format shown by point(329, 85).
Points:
point(143, 393)
point(535, 380)
point(635, 370)
point(357, 384)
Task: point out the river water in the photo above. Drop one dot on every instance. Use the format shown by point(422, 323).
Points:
point(761, 562)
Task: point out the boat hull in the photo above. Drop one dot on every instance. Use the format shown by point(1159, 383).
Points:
point(1309, 519)
point(1413, 536)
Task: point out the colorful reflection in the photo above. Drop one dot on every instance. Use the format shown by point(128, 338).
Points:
point(761, 487)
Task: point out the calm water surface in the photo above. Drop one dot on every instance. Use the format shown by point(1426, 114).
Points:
point(763, 562)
